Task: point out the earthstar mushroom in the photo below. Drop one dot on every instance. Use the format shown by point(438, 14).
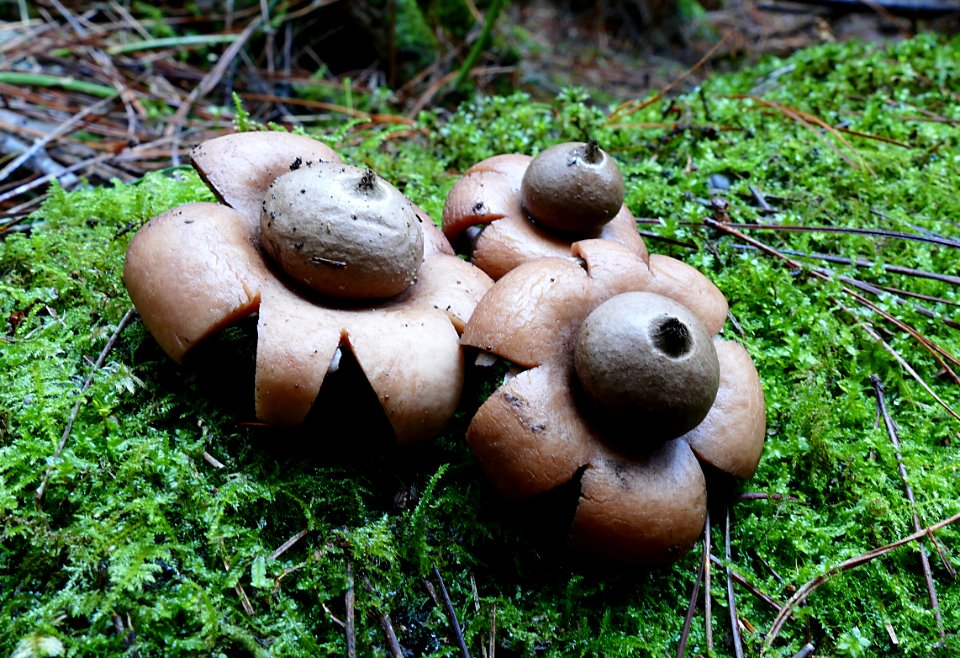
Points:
point(642, 493)
point(197, 268)
point(486, 204)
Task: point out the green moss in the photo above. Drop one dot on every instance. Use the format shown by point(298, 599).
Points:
point(163, 515)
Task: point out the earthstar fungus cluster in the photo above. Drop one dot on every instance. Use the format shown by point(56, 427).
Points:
point(619, 383)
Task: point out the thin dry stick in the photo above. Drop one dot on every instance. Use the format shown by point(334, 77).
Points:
point(396, 651)
point(209, 81)
point(124, 321)
point(451, 613)
point(895, 440)
point(805, 652)
point(858, 263)
point(870, 331)
point(43, 180)
point(731, 598)
point(795, 228)
point(238, 588)
point(937, 351)
point(285, 546)
point(741, 580)
point(708, 588)
point(350, 625)
point(692, 606)
point(918, 295)
point(756, 495)
point(880, 292)
point(809, 587)
point(492, 646)
point(330, 107)
point(631, 107)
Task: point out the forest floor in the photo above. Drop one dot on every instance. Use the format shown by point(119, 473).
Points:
point(60, 66)
point(619, 60)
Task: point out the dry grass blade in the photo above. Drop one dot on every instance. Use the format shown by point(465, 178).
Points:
point(451, 613)
point(895, 440)
point(731, 597)
point(695, 594)
point(805, 590)
point(124, 321)
point(634, 106)
point(809, 121)
point(937, 351)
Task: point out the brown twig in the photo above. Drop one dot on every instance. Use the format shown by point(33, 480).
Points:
point(207, 84)
point(396, 651)
point(80, 398)
point(895, 441)
point(866, 264)
point(238, 588)
point(451, 613)
point(741, 580)
point(634, 106)
point(797, 228)
point(870, 331)
point(805, 590)
point(349, 600)
point(285, 546)
point(731, 597)
point(938, 352)
point(692, 606)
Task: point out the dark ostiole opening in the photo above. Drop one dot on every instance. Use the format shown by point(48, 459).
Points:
point(672, 337)
point(592, 152)
point(367, 182)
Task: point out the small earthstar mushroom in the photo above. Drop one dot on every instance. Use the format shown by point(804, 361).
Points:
point(573, 187)
point(495, 215)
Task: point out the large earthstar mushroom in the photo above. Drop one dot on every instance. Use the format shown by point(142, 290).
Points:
point(643, 491)
point(200, 267)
